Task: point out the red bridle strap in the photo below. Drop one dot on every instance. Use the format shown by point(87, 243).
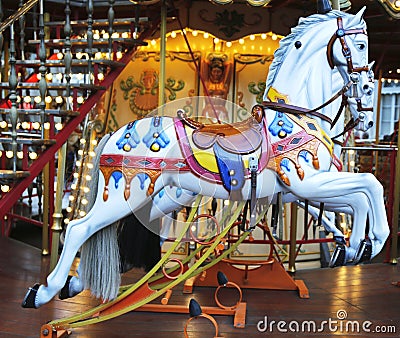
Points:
point(340, 34)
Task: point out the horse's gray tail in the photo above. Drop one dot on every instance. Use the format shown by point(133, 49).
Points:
point(99, 268)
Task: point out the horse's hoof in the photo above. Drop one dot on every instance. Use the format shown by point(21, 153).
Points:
point(64, 293)
point(364, 252)
point(29, 300)
point(338, 257)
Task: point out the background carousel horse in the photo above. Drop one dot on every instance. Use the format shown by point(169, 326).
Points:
point(153, 153)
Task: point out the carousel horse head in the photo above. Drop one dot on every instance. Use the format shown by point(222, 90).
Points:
point(327, 52)
point(348, 51)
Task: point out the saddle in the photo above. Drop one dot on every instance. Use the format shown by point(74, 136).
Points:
point(242, 137)
point(229, 143)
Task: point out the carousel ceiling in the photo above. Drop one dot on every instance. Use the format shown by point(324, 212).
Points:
point(278, 16)
point(232, 19)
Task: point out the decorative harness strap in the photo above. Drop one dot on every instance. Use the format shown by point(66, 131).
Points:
point(308, 139)
point(128, 167)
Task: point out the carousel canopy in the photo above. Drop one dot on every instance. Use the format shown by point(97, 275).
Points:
point(230, 20)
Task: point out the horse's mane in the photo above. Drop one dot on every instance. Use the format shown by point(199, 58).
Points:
point(303, 25)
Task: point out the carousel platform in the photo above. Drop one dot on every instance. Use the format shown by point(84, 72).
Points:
point(361, 301)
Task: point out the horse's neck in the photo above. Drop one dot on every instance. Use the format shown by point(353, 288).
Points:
point(309, 82)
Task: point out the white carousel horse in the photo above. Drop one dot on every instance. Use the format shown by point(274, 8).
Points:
point(178, 198)
point(293, 154)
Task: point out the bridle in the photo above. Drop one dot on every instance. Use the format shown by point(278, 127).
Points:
point(354, 78)
point(354, 72)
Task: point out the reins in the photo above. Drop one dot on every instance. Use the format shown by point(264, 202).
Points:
point(291, 109)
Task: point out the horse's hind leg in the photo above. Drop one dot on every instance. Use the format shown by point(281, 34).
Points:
point(73, 286)
point(161, 206)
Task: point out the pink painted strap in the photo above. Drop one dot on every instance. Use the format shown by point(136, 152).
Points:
point(337, 162)
point(187, 152)
point(115, 160)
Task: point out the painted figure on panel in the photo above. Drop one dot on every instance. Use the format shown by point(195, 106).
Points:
point(217, 73)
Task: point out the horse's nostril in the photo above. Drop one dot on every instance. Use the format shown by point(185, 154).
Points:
point(370, 124)
point(367, 89)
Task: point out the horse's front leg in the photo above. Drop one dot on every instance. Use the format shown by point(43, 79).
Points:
point(360, 193)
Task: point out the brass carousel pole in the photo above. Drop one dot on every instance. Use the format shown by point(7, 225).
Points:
point(58, 216)
point(163, 32)
point(336, 4)
point(293, 236)
point(396, 206)
point(378, 118)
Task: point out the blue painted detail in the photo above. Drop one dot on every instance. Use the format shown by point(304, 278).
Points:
point(161, 193)
point(156, 138)
point(129, 138)
point(285, 164)
point(304, 154)
point(194, 193)
point(142, 178)
point(178, 192)
point(281, 125)
point(117, 176)
point(230, 167)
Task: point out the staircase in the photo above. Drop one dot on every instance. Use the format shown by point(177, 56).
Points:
point(38, 111)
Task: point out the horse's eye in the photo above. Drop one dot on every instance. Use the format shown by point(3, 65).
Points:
point(361, 46)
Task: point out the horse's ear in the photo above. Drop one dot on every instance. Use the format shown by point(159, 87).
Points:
point(359, 16)
point(371, 64)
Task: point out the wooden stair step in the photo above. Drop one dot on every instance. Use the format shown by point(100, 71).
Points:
point(74, 63)
point(37, 111)
point(58, 43)
point(7, 174)
point(52, 86)
point(29, 141)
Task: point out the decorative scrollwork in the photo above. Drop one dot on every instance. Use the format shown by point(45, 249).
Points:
point(257, 89)
point(230, 22)
point(255, 3)
point(252, 58)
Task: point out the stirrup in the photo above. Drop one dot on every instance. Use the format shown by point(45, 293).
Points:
point(338, 257)
point(364, 252)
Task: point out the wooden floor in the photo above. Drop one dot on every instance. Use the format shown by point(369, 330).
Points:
point(362, 294)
